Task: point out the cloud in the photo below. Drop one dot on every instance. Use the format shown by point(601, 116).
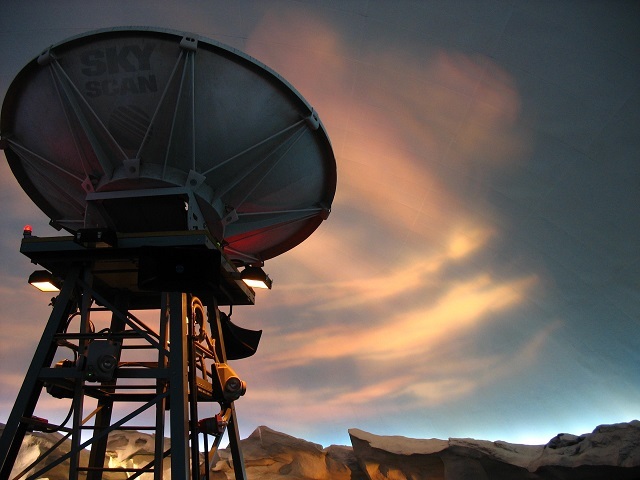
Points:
point(366, 285)
point(441, 377)
point(410, 330)
point(394, 284)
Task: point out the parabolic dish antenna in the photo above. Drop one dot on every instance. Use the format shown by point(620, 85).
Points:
point(145, 130)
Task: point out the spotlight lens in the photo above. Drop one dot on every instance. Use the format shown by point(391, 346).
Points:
point(45, 287)
point(255, 283)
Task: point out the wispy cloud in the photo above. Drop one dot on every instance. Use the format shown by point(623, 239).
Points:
point(410, 330)
point(392, 279)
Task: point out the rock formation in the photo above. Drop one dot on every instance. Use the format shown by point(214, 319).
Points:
point(124, 449)
point(609, 452)
point(271, 455)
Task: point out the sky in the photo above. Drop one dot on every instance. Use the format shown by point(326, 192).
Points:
point(479, 273)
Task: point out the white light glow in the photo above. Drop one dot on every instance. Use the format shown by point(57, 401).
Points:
point(45, 286)
point(254, 283)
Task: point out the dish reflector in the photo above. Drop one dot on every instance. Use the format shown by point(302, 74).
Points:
point(152, 130)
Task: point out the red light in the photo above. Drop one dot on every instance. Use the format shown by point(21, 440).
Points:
point(26, 231)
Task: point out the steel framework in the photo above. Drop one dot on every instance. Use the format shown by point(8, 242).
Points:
point(168, 373)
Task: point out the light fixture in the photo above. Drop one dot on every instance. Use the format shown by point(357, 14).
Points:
point(44, 281)
point(255, 277)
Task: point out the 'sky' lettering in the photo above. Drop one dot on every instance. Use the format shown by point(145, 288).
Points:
point(129, 58)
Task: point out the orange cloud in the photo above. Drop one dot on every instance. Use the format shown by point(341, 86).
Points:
point(408, 332)
point(412, 139)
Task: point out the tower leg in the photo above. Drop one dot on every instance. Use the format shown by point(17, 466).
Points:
point(78, 390)
point(232, 427)
point(234, 444)
point(161, 388)
point(178, 390)
point(105, 406)
point(18, 421)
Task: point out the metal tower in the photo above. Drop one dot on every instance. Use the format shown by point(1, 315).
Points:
point(171, 374)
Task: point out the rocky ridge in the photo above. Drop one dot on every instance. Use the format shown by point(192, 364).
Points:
point(609, 452)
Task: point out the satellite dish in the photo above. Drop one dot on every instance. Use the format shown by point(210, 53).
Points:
point(148, 130)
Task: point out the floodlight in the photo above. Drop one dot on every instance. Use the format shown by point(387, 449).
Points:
point(256, 277)
point(44, 281)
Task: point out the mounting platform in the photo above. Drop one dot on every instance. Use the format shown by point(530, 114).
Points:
point(207, 272)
